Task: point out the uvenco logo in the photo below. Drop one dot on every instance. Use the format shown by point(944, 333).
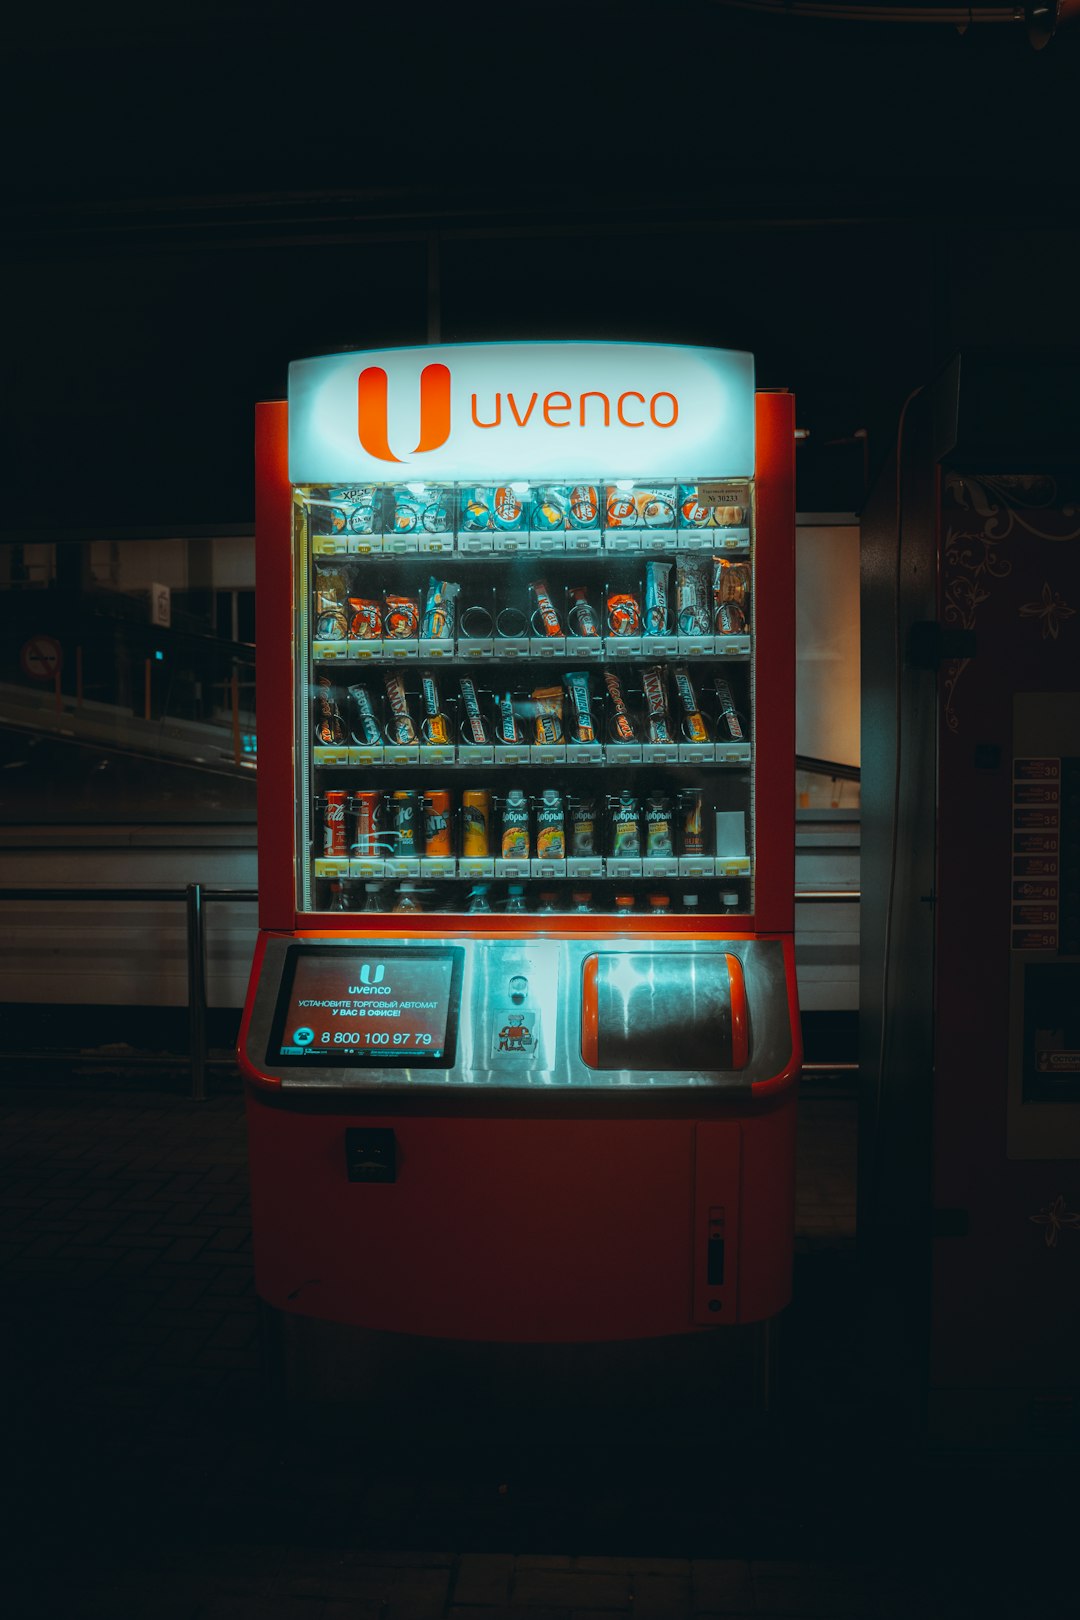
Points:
point(490, 412)
point(371, 418)
point(559, 408)
point(366, 976)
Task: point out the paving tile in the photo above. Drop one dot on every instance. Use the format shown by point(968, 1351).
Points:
point(482, 1578)
point(570, 1589)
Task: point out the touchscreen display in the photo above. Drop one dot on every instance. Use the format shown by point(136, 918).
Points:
point(371, 1006)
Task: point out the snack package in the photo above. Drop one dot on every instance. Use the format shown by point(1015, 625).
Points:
point(475, 724)
point(545, 608)
point(584, 507)
point(623, 614)
point(694, 726)
point(508, 728)
point(713, 506)
point(581, 728)
point(329, 724)
point(508, 507)
point(731, 581)
point(401, 617)
point(364, 720)
point(637, 506)
point(434, 726)
point(581, 615)
point(438, 622)
point(728, 725)
point(620, 725)
point(656, 707)
point(657, 575)
point(692, 615)
point(730, 619)
point(548, 507)
point(548, 714)
point(331, 614)
point(478, 509)
point(365, 618)
point(361, 505)
point(400, 727)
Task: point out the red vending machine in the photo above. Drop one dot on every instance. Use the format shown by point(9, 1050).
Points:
point(521, 1040)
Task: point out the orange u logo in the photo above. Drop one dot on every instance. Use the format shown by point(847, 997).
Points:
point(371, 419)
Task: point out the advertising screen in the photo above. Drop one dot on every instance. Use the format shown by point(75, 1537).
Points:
point(368, 1006)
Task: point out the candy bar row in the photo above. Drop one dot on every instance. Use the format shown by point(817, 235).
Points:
point(706, 598)
point(652, 705)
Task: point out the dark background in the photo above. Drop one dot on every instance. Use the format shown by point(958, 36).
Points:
point(199, 196)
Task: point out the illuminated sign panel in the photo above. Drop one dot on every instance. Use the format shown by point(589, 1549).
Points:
point(381, 1007)
point(521, 410)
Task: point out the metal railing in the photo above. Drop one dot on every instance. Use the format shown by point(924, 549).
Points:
point(195, 897)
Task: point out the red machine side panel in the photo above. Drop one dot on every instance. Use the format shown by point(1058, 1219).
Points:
point(274, 636)
point(774, 665)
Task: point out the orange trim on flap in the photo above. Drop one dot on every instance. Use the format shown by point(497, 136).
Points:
point(590, 1014)
point(740, 1029)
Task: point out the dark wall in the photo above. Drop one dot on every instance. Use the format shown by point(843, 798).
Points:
point(196, 200)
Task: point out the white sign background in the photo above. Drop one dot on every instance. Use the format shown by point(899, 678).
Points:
point(712, 434)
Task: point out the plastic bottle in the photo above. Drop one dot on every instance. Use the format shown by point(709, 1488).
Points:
point(690, 903)
point(515, 898)
point(407, 898)
point(582, 902)
point(339, 900)
point(548, 904)
point(730, 903)
point(624, 905)
point(659, 905)
point(478, 898)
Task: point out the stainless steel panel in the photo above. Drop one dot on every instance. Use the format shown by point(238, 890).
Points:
point(662, 1005)
point(553, 970)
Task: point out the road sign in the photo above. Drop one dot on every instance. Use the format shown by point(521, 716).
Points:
point(42, 658)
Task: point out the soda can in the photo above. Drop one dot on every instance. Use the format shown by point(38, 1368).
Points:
point(405, 806)
point(476, 822)
point(334, 839)
point(692, 821)
point(437, 822)
point(583, 826)
point(367, 824)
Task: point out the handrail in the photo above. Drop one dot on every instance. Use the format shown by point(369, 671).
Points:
point(194, 895)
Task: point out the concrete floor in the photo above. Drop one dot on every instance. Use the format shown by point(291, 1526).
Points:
point(151, 1473)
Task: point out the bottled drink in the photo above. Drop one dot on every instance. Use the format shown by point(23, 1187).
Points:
point(583, 826)
point(690, 903)
point(549, 903)
point(375, 897)
point(659, 905)
point(515, 826)
point(582, 902)
point(515, 898)
point(551, 827)
point(658, 825)
point(626, 826)
point(478, 899)
point(408, 898)
point(624, 905)
point(729, 903)
point(338, 900)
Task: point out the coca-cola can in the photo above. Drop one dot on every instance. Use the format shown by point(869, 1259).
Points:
point(334, 839)
point(367, 824)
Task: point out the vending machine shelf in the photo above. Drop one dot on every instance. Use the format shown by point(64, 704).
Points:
point(467, 650)
point(465, 756)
